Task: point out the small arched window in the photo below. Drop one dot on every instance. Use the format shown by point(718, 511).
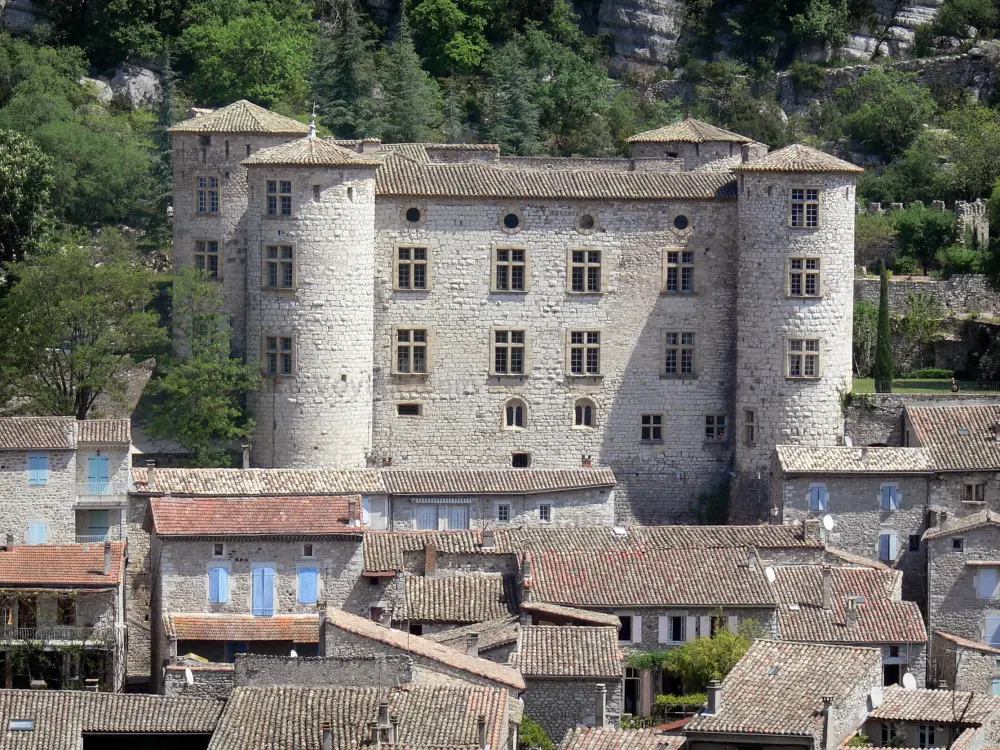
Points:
point(515, 415)
point(584, 413)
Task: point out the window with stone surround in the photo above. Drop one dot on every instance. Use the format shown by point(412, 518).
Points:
point(510, 269)
point(585, 353)
point(545, 512)
point(986, 583)
point(803, 358)
point(679, 272)
point(585, 271)
point(804, 208)
point(888, 546)
point(279, 198)
point(503, 512)
point(928, 734)
point(974, 492)
point(749, 426)
point(207, 195)
point(803, 277)
point(509, 352)
point(520, 460)
point(716, 428)
point(38, 469)
point(679, 357)
point(279, 267)
point(410, 355)
point(515, 415)
point(651, 428)
point(206, 257)
point(279, 355)
point(584, 413)
point(412, 268)
point(889, 496)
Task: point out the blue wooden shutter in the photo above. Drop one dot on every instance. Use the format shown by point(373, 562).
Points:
point(223, 584)
point(886, 498)
point(38, 533)
point(258, 591)
point(38, 469)
point(97, 475)
point(823, 496)
point(268, 599)
point(213, 585)
point(814, 501)
point(308, 578)
point(883, 547)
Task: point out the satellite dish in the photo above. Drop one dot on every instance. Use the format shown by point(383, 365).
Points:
point(769, 574)
point(828, 523)
point(877, 696)
point(294, 654)
point(848, 442)
point(909, 682)
point(188, 676)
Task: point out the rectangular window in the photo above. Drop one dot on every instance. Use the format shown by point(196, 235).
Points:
point(803, 358)
point(411, 351)
point(279, 267)
point(975, 493)
point(889, 497)
point(218, 585)
point(914, 542)
point(926, 736)
point(545, 513)
point(279, 198)
point(280, 355)
point(308, 585)
point(958, 544)
point(38, 533)
point(585, 352)
point(307, 550)
point(888, 547)
point(408, 410)
point(804, 208)
point(206, 257)
point(455, 516)
point(207, 195)
point(992, 630)
point(803, 277)
point(585, 271)
point(679, 354)
point(651, 428)
point(818, 499)
point(520, 460)
point(715, 428)
point(219, 549)
point(986, 583)
point(98, 475)
point(263, 591)
point(426, 517)
point(98, 523)
point(508, 352)
point(38, 469)
point(680, 271)
point(509, 270)
point(411, 268)
point(503, 513)
point(749, 426)
point(625, 629)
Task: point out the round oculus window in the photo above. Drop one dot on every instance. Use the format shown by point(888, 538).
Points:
point(413, 214)
point(586, 222)
point(681, 222)
point(511, 221)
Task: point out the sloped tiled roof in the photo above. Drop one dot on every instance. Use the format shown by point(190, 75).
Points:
point(430, 716)
point(777, 687)
point(958, 438)
point(241, 117)
point(310, 151)
point(880, 617)
point(966, 643)
point(496, 481)
point(418, 646)
point(958, 525)
point(251, 516)
point(937, 706)
point(62, 716)
point(225, 627)
point(463, 597)
point(44, 433)
point(560, 651)
point(609, 738)
point(104, 431)
point(61, 565)
point(689, 130)
point(492, 634)
point(557, 610)
point(798, 158)
point(807, 459)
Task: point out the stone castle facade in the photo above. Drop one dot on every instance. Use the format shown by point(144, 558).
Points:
point(673, 316)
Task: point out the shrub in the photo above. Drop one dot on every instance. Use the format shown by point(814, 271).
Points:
point(859, 740)
point(808, 75)
point(931, 373)
point(923, 232)
point(663, 705)
point(533, 736)
point(960, 259)
point(874, 240)
point(904, 265)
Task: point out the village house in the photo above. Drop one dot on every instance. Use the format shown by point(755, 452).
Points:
point(933, 718)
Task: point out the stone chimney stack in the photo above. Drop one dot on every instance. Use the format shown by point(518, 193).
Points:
point(107, 558)
point(811, 530)
point(851, 614)
point(353, 512)
point(829, 740)
point(373, 734)
point(246, 456)
point(942, 517)
point(472, 648)
point(150, 474)
point(482, 731)
point(489, 539)
point(601, 706)
point(827, 588)
point(383, 713)
point(430, 559)
point(10, 541)
point(327, 730)
point(714, 691)
point(394, 731)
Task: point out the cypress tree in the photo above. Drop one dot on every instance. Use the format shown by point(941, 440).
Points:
point(412, 106)
point(343, 73)
point(512, 116)
point(883, 346)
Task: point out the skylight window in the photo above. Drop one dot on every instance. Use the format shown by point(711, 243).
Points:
point(794, 607)
point(22, 725)
point(772, 671)
point(963, 432)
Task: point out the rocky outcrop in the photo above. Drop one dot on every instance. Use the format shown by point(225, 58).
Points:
point(642, 30)
point(99, 88)
point(894, 36)
point(20, 16)
point(136, 87)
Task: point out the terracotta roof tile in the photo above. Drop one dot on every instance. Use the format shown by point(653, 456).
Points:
point(958, 525)
point(958, 438)
point(937, 706)
point(798, 158)
point(498, 481)
point(492, 634)
point(252, 516)
point(561, 651)
point(104, 431)
point(43, 433)
point(806, 459)
point(219, 627)
point(241, 117)
point(339, 619)
point(61, 565)
point(609, 738)
point(689, 130)
point(310, 151)
point(465, 597)
point(966, 643)
point(557, 610)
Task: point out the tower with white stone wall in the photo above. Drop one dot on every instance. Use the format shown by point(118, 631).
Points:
point(794, 315)
point(310, 302)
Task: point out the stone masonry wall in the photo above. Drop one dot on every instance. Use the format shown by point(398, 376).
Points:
point(22, 504)
point(963, 668)
point(877, 418)
point(647, 637)
point(138, 590)
point(351, 671)
point(209, 682)
point(560, 705)
point(961, 294)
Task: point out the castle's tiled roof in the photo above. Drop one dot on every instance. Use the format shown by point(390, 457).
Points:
point(967, 643)
point(808, 459)
point(104, 431)
point(310, 151)
point(37, 433)
point(571, 613)
point(610, 738)
point(492, 634)
point(241, 117)
point(798, 158)
point(689, 130)
point(881, 617)
point(461, 597)
point(936, 706)
point(418, 646)
point(558, 651)
point(226, 627)
point(61, 565)
point(61, 717)
point(251, 516)
point(402, 177)
point(430, 716)
point(958, 438)
point(959, 525)
point(777, 687)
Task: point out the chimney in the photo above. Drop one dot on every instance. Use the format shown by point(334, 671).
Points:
point(383, 713)
point(827, 588)
point(10, 541)
point(482, 731)
point(752, 559)
point(526, 580)
point(353, 512)
point(942, 517)
point(601, 706)
point(373, 733)
point(107, 558)
point(472, 647)
point(864, 455)
point(246, 455)
point(996, 431)
point(851, 614)
point(587, 461)
point(745, 152)
point(394, 732)
point(489, 539)
point(327, 730)
point(430, 559)
point(150, 474)
point(829, 740)
point(371, 145)
point(714, 691)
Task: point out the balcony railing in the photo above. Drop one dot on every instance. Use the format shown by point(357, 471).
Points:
point(98, 490)
point(113, 534)
point(50, 633)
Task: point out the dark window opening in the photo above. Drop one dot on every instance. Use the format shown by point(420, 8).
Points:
point(520, 460)
point(416, 628)
point(625, 629)
point(890, 674)
point(511, 221)
point(413, 215)
point(914, 542)
point(408, 410)
point(681, 222)
point(586, 221)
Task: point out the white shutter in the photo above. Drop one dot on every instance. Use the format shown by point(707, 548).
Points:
point(893, 547)
point(663, 630)
point(899, 499)
point(690, 631)
point(636, 629)
point(733, 623)
point(706, 627)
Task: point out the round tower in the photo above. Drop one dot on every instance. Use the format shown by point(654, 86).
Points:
point(795, 306)
point(310, 295)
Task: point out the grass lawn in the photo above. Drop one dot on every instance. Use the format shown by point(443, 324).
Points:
point(867, 385)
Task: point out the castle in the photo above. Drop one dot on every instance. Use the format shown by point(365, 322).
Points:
point(674, 315)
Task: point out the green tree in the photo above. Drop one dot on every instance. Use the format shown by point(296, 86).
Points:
point(74, 322)
point(510, 113)
point(451, 34)
point(532, 736)
point(920, 324)
point(883, 369)
point(343, 72)
point(199, 399)
point(923, 232)
point(25, 186)
point(884, 110)
point(702, 660)
point(865, 336)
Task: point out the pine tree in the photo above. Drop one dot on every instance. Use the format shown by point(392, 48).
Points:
point(512, 116)
point(883, 346)
point(412, 108)
point(343, 73)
